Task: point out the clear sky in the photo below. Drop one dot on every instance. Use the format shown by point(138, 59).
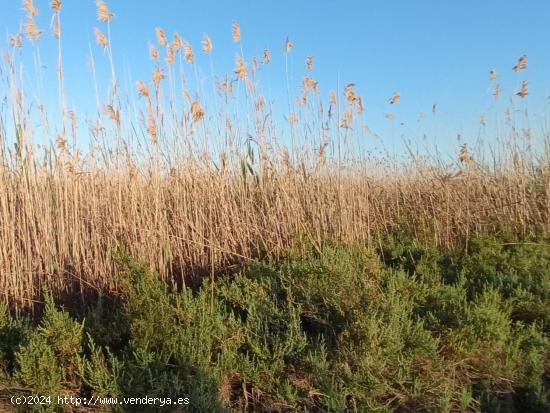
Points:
point(429, 50)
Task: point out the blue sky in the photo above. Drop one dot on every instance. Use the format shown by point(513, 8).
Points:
point(429, 50)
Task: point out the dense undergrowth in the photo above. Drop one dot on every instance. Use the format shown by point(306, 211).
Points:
point(405, 328)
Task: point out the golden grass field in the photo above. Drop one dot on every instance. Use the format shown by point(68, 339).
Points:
point(179, 182)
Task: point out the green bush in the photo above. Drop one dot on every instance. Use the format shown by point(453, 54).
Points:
point(404, 328)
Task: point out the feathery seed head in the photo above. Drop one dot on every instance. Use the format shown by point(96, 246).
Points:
point(55, 5)
point(524, 89)
point(266, 57)
point(350, 94)
point(16, 41)
point(100, 38)
point(103, 13)
point(152, 128)
point(113, 114)
point(496, 93)
point(493, 74)
point(332, 98)
point(207, 44)
point(254, 65)
point(196, 111)
point(161, 36)
point(188, 52)
point(170, 54)
point(28, 6)
point(227, 86)
point(464, 156)
point(395, 98)
point(360, 108)
point(158, 76)
point(522, 64)
point(347, 119)
point(240, 68)
point(61, 142)
point(309, 84)
point(142, 88)
point(178, 42)
point(288, 45)
point(31, 30)
point(236, 32)
point(309, 62)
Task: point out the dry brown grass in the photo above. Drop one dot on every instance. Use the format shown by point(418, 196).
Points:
point(187, 192)
point(60, 227)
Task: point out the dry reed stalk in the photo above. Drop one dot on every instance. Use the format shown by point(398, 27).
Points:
point(153, 52)
point(80, 234)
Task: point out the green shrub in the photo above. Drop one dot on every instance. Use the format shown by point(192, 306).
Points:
point(52, 354)
point(403, 328)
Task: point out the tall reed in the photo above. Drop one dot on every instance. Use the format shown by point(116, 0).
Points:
point(190, 190)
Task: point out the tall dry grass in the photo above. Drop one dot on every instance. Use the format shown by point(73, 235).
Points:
point(190, 184)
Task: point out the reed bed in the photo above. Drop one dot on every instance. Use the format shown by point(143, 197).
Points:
point(192, 183)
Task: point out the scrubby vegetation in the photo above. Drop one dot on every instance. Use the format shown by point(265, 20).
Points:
point(407, 327)
point(268, 257)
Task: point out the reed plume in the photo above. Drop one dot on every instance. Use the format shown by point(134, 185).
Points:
point(100, 38)
point(266, 56)
point(236, 32)
point(207, 44)
point(309, 62)
point(521, 65)
point(395, 98)
point(161, 36)
point(103, 13)
point(524, 89)
point(240, 68)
